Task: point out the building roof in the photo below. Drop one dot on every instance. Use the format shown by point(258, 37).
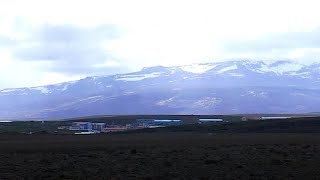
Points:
point(6, 121)
point(210, 120)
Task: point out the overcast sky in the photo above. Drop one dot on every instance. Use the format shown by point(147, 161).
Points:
point(51, 41)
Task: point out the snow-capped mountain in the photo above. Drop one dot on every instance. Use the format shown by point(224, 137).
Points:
point(211, 88)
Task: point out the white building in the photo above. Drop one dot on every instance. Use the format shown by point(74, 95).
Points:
point(210, 120)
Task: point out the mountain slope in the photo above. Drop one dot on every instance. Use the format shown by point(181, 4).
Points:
point(211, 88)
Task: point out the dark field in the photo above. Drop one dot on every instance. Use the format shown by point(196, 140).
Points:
point(179, 155)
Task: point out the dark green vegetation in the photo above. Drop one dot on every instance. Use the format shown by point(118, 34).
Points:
point(50, 127)
point(231, 124)
point(274, 149)
point(294, 125)
point(26, 127)
point(188, 120)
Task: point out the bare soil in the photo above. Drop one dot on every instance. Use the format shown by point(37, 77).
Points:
point(179, 155)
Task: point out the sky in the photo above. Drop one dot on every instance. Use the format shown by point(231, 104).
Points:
point(50, 41)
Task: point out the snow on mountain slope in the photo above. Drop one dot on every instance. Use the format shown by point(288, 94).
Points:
point(222, 87)
point(229, 68)
point(138, 77)
point(42, 89)
point(234, 69)
point(198, 68)
point(276, 67)
point(8, 90)
point(236, 75)
point(281, 68)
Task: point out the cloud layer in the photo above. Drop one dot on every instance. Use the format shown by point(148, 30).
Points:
point(67, 48)
point(53, 41)
point(275, 41)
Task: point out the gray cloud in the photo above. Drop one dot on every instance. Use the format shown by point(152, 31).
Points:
point(71, 49)
point(274, 41)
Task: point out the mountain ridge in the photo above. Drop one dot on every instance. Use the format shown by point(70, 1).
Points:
point(213, 88)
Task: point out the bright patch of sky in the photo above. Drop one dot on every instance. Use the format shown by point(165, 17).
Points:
point(51, 41)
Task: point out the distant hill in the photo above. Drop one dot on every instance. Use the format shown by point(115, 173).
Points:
point(233, 87)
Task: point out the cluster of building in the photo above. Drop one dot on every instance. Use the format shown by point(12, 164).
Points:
point(94, 128)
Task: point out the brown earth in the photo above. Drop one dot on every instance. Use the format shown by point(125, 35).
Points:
point(177, 155)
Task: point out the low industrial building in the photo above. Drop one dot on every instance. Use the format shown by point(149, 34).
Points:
point(6, 121)
point(210, 120)
point(81, 126)
point(85, 133)
point(98, 126)
point(115, 128)
point(158, 122)
point(273, 117)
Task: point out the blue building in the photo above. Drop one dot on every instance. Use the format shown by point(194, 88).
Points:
point(159, 122)
point(98, 126)
point(81, 126)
